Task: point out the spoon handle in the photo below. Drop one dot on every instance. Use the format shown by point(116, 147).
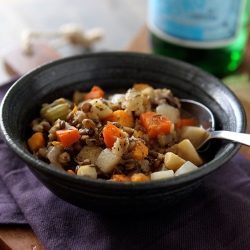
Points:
point(232, 136)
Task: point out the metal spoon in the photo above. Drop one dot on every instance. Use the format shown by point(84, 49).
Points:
point(205, 116)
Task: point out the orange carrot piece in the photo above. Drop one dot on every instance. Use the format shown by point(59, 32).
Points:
point(186, 122)
point(155, 124)
point(111, 133)
point(140, 86)
point(71, 171)
point(68, 136)
point(139, 177)
point(139, 151)
point(120, 177)
point(123, 117)
point(95, 92)
point(36, 141)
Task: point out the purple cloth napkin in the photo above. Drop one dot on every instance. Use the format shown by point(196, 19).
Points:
point(216, 216)
point(10, 212)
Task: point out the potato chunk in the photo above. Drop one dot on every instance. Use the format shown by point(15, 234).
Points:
point(100, 109)
point(185, 168)
point(107, 161)
point(89, 152)
point(162, 175)
point(87, 171)
point(187, 152)
point(173, 161)
point(173, 114)
point(196, 135)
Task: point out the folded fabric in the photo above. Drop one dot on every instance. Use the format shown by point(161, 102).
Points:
point(215, 216)
point(10, 213)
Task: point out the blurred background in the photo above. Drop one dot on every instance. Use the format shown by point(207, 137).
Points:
point(119, 20)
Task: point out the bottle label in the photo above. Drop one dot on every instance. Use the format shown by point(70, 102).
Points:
point(196, 23)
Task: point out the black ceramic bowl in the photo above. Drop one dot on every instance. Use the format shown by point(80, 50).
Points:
point(111, 71)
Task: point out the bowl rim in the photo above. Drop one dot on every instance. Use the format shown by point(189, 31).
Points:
point(231, 149)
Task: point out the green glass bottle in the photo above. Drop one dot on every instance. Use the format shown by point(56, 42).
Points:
point(211, 34)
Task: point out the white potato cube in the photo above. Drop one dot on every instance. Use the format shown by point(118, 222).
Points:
point(107, 161)
point(173, 161)
point(100, 109)
point(173, 114)
point(196, 135)
point(185, 168)
point(186, 151)
point(89, 152)
point(87, 171)
point(162, 175)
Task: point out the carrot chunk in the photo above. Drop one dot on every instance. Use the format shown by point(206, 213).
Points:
point(139, 177)
point(71, 171)
point(140, 86)
point(123, 117)
point(120, 177)
point(155, 124)
point(68, 136)
point(186, 122)
point(139, 151)
point(111, 133)
point(95, 92)
point(36, 141)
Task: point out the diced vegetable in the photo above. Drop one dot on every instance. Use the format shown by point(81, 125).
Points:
point(120, 146)
point(155, 124)
point(95, 92)
point(139, 177)
point(87, 171)
point(162, 175)
point(145, 89)
point(173, 114)
point(89, 152)
point(70, 171)
point(196, 135)
point(173, 161)
point(100, 109)
point(185, 122)
point(139, 151)
point(125, 118)
point(133, 100)
point(120, 177)
point(51, 105)
point(68, 136)
point(140, 86)
point(110, 134)
point(36, 141)
point(59, 111)
point(107, 161)
point(187, 151)
point(53, 155)
point(185, 168)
